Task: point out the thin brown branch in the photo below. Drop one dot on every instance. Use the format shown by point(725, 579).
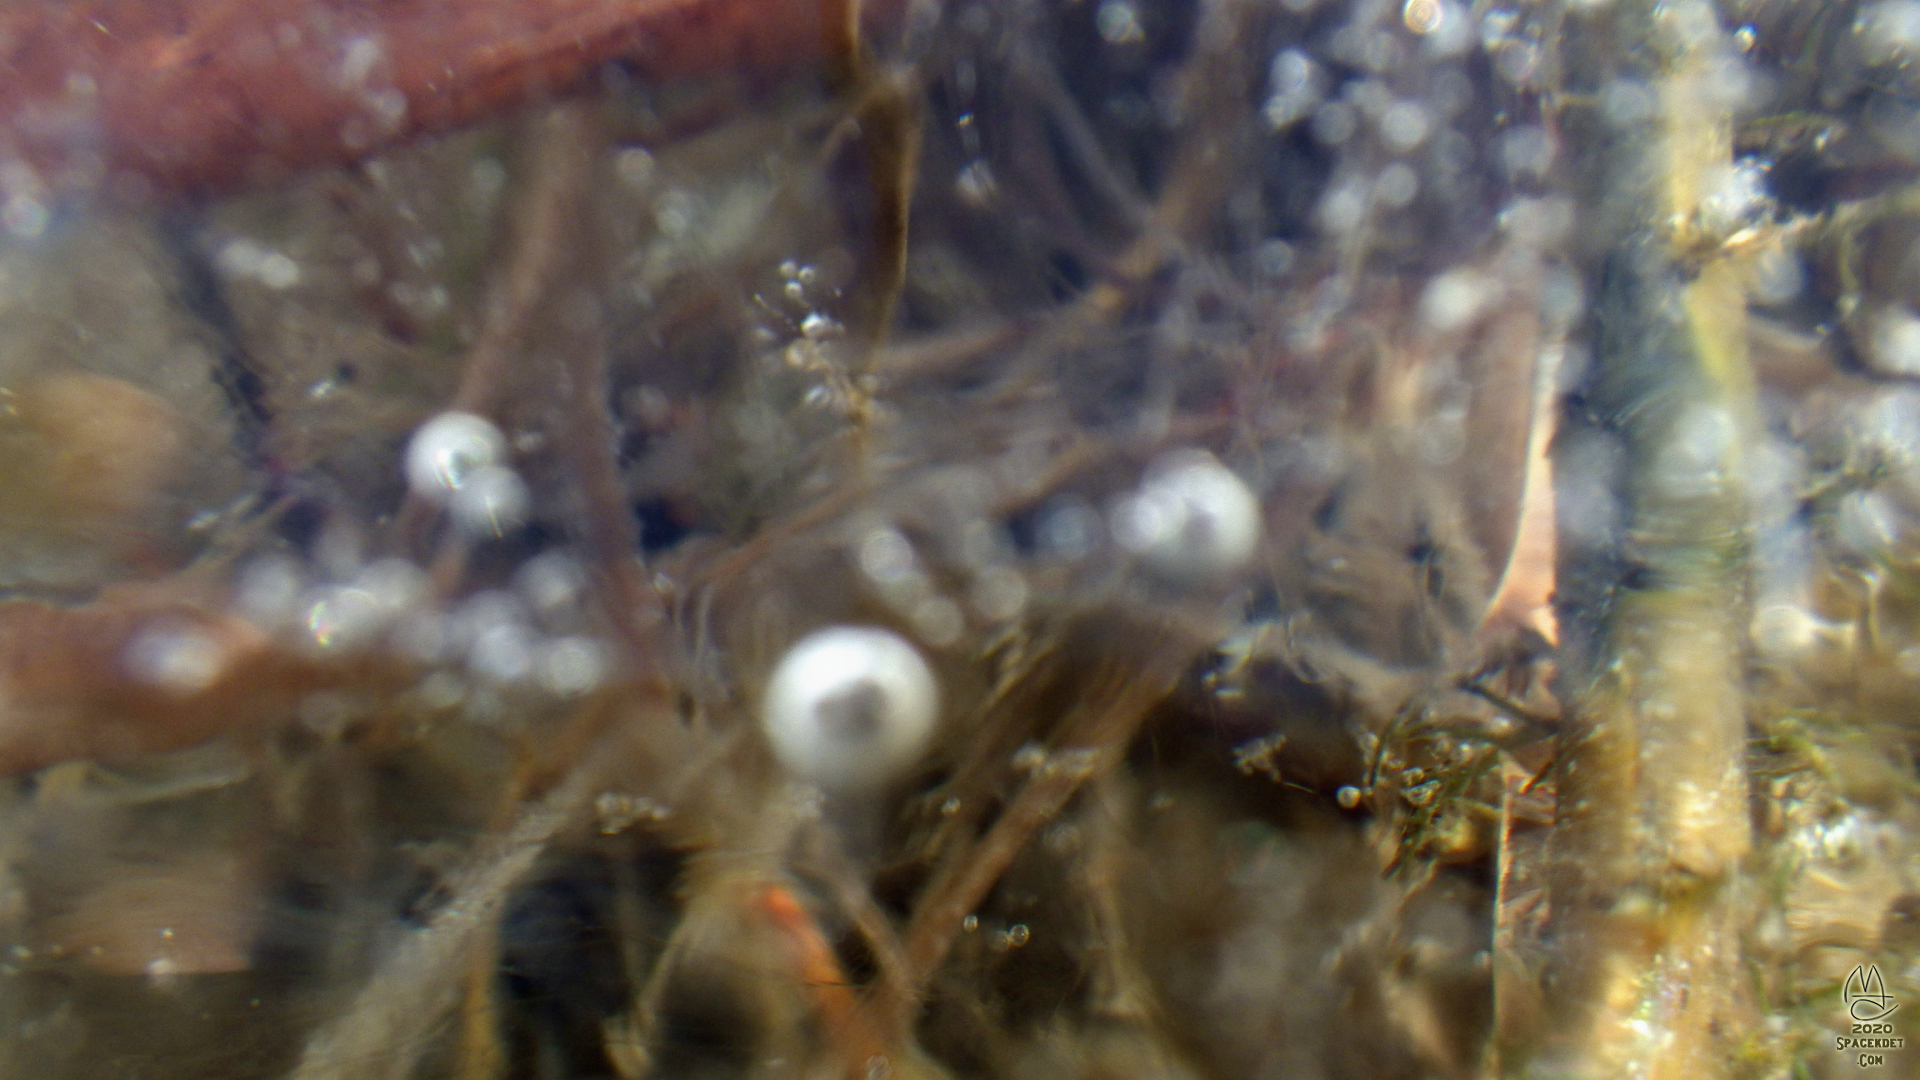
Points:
point(556, 192)
point(383, 1033)
point(1096, 741)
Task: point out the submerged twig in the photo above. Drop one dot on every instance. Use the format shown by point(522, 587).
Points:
point(388, 1026)
point(1094, 742)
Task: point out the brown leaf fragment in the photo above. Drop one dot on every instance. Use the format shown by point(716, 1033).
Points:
point(194, 915)
point(196, 96)
point(134, 673)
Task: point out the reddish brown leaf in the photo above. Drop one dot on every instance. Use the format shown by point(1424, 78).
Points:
point(193, 96)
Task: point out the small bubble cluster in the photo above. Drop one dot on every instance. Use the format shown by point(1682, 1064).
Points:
point(531, 637)
point(246, 259)
point(890, 564)
point(456, 459)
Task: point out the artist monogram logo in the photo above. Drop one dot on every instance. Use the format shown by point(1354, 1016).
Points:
point(1866, 995)
point(1868, 1005)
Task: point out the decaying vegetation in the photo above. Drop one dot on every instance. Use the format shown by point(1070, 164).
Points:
point(1560, 724)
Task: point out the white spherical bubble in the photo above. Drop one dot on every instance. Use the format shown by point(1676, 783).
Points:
point(849, 708)
point(448, 450)
point(492, 502)
point(396, 585)
point(1889, 33)
point(1454, 299)
point(552, 582)
point(1404, 126)
point(175, 657)
point(938, 621)
point(574, 665)
point(480, 613)
point(503, 652)
point(999, 593)
point(1692, 462)
point(886, 556)
point(425, 635)
point(1782, 631)
point(1869, 522)
point(1892, 344)
point(343, 617)
point(269, 591)
point(1069, 528)
point(1191, 518)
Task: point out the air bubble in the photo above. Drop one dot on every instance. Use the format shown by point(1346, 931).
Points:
point(1274, 257)
point(1625, 102)
point(975, 183)
point(674, 212)
point(448, 450)
point(1692, 463)
point(1344, 207)
point(1335, 122)
point(394, 585)
point(849, 708)
point(571, 666)
point(1404, 126)
point(1118, 23)
point(938, 620)
point(1422, 16)
point(344, 617)
point(1893, 341)
point(1908, 661)
point(362, 54)
point(1069, 528)
point(1295, 88)
point(1869, 523)
point(886, 557)
point(1454, 299)
point(1785, 630)
point(481, 612)
point(634, 166)
point(999, 593)
point(388, 106)
point(269, 591)
point(175, 657)
point(1736, 195)
point(1191, 518)
point(484, 182)
point(1527, 151)
point(240, 258)
point(25, 216)
point(503, 652)
point(491, 503)
point(552, 583)
point(1396, 185)
point(1777, 276)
